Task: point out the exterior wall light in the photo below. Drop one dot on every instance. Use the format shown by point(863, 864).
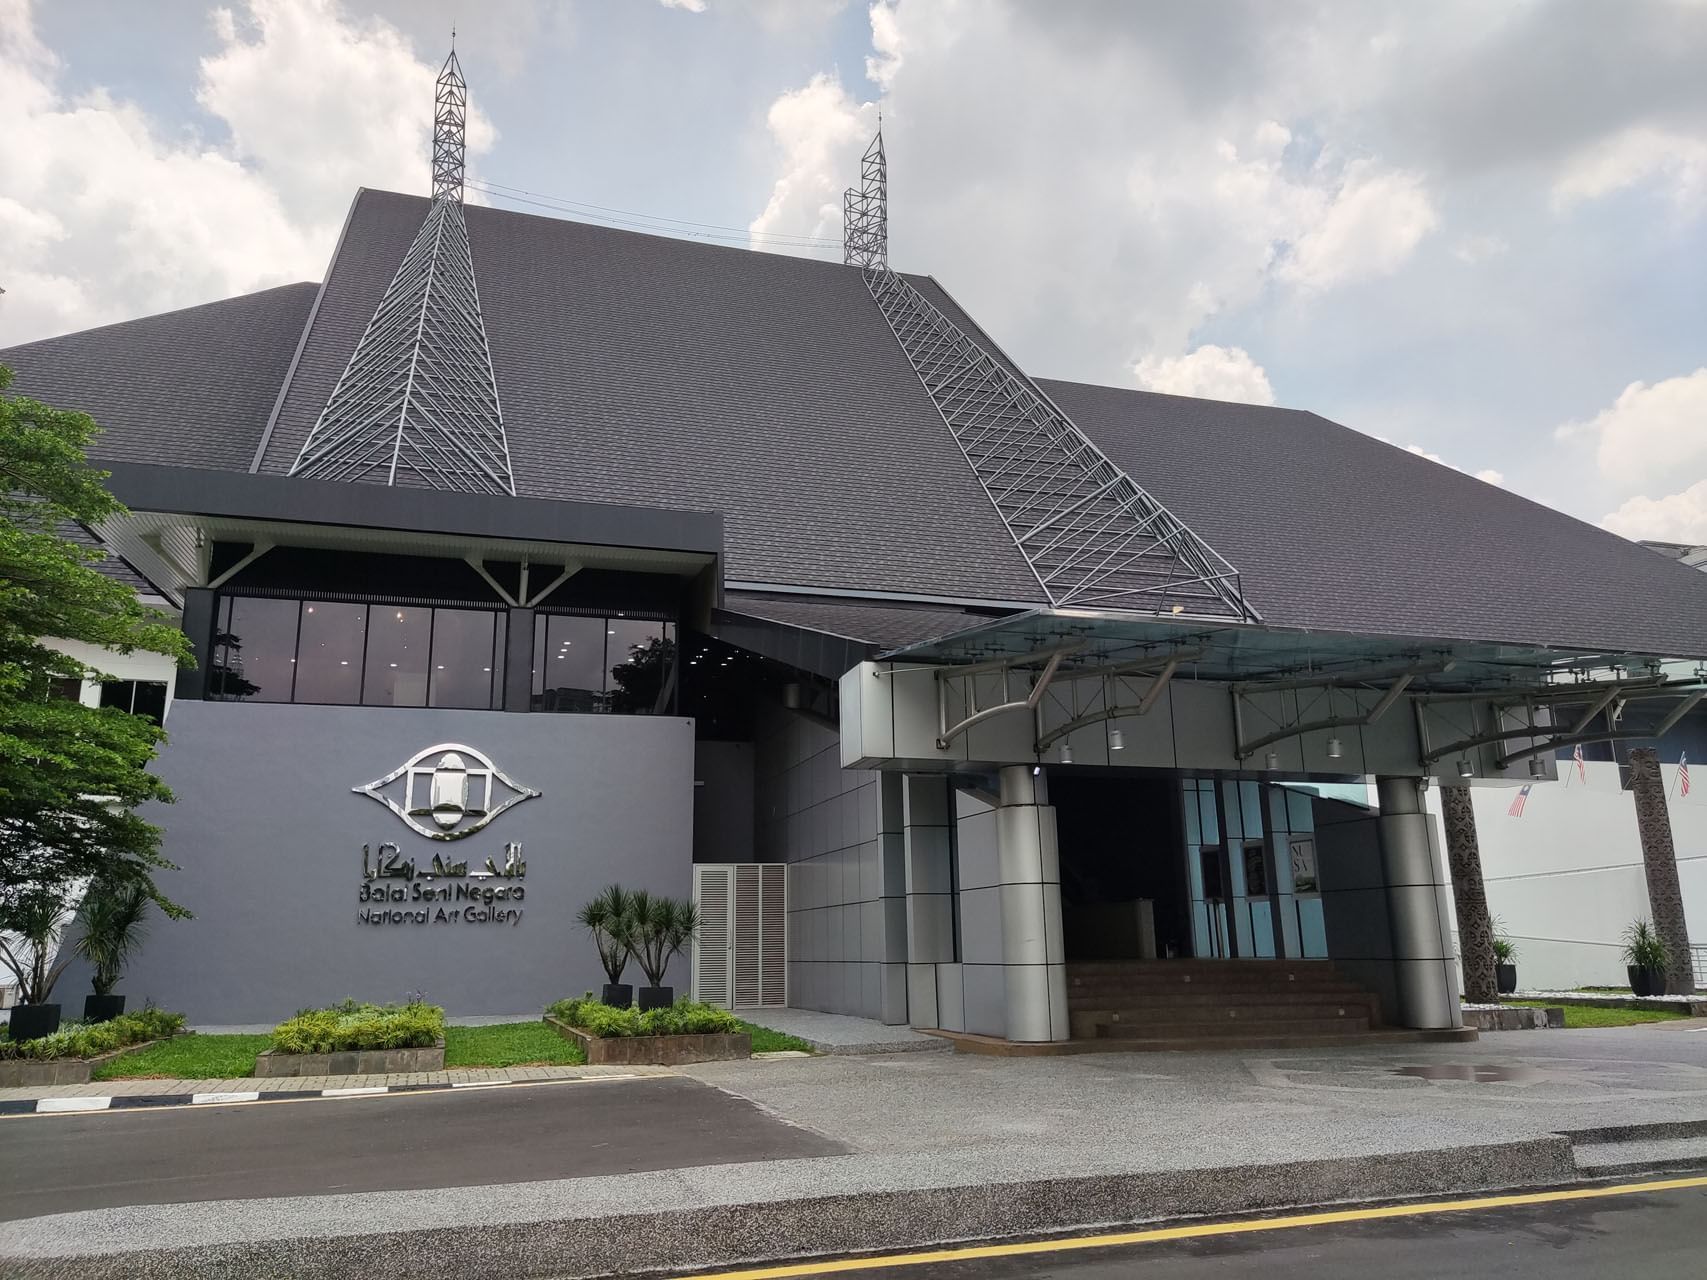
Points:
point(1066, 753)
point(1464, 769)
point(1335, 749)
point(1273, 760)
point(1537, 767)
point(1116, 740)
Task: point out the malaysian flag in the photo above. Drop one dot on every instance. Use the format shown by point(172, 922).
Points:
point(1683, 774)
point(1577, 755)
point(1521, 799)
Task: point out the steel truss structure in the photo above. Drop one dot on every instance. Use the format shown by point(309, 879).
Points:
point(418, 402)
point(1092, 536)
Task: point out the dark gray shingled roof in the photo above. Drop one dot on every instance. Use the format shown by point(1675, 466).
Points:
point(885, 626)
point(190, 387)
point(661, 372)
point(1334, 530)
point(637, 369)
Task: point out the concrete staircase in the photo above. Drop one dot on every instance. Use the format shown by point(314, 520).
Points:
point(1217, 1004)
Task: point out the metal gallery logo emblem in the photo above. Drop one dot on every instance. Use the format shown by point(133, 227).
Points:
point(447, 792)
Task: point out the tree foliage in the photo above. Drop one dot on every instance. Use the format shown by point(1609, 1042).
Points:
point(71, 776)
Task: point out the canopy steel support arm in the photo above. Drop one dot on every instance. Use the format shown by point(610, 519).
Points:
point(1246, 750)
point(255, 553)
point(1683, 708)
point(1154, 692)
point(1028, 704)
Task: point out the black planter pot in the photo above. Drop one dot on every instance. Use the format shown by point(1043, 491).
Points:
point(102, 1008)
point(1505, 978)
point(618, 995)
point(32, 1021)
point(1646, 982)
point(656, 998)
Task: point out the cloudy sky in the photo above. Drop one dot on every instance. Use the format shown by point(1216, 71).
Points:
point(1474, 229)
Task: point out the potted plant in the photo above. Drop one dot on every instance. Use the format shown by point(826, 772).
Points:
point(1645, 958)
point(112, 927)
point(610, 919)
point(1505, 961)
point(662, 927)
point(35, 915)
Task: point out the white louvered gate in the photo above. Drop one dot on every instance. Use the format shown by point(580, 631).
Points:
point(740, 958)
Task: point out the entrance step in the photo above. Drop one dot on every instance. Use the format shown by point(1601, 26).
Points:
point(1257, 1003)
point(1651, 1155)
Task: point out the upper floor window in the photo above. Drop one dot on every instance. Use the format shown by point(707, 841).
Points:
point(138, 697)
point(615, 664)
point(328, 651)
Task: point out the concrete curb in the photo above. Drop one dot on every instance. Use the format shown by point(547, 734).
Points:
point(726, 1234)
point(135, 1101)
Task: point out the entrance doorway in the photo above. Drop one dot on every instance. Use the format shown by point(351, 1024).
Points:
point(1124, 891)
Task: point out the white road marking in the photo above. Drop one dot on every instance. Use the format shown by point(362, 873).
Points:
point(354, 1092)
point(73, 1104)
point(205, 1099)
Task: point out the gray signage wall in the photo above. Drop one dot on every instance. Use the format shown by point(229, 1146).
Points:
point(270, 836)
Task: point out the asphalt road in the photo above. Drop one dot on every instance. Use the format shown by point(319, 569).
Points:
point(454, 1138)
point(1647, 1236)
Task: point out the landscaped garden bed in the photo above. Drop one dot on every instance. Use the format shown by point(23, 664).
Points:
point(683, 1032)
point(357, 1039)
point(71, 1054)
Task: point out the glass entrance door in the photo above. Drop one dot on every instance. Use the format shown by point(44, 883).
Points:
point(1261, 899)
point(1217, 902)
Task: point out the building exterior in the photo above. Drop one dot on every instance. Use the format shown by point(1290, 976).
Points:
point(521, 556)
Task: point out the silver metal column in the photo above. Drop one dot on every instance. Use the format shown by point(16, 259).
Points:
point(1417, 909)
point(928, 833)
point(1033, 958)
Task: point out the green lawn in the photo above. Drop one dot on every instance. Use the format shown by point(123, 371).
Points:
point(188, 1057)
point(1588, 1015)
point(767, 1041)
point(199, 1057)
point(509, 1044)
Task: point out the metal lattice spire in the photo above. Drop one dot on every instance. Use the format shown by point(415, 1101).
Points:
point(865, 213)
point(418, 402)
point(1091, 535)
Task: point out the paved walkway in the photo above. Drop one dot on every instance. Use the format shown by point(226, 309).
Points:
point(838, 1033)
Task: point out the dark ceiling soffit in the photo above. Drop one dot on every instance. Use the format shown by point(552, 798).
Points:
point(239, 495)
point(798, 647)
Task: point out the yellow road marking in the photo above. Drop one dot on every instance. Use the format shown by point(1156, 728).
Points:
point(1194, 1232)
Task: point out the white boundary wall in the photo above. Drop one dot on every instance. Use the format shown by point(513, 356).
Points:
point(1565, 879)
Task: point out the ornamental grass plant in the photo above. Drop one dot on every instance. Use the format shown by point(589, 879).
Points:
point(352, 1026)
point(684, 1018)
point(78, 1041)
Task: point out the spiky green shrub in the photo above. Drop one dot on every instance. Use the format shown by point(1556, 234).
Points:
point(684, 1018)
point(75, 1040)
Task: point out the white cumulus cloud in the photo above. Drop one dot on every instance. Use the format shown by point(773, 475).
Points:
point(1212, 372)
point(1675, 163)
point(1368, 227)
point(820, 132)
point(117, 218)
point(1681, 517)
point(1652, 433)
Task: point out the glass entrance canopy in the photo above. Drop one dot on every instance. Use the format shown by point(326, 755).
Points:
point(1092, 641)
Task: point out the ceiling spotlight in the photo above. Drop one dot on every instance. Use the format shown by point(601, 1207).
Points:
point(1116, 740)
point(1273, 760)
point(1464, 769)
point(1537, 767)
point(1066, 753)
point(1036, 770)
point(1335, 750)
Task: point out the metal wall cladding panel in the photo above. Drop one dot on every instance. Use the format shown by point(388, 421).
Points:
point(1028, 1005)
point(871, 991)
point(985, 998)
point(871, 931)
point(269, 835)
point(930, 928)
point(1348, 855)
point(1406, 857)
point(1202, 726)
point(1019, 842)
point(921, 995)
point(1414, 915)
point(894, 930)
point(1427, 994)
point(1358, 924)
point(892, 854)
point(1024, 927)
point(975, 846)
point(893, 978)
point(1055, 945)
point(951, 997)
point(927, 802)
point(981, 925)
point(929, 850)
